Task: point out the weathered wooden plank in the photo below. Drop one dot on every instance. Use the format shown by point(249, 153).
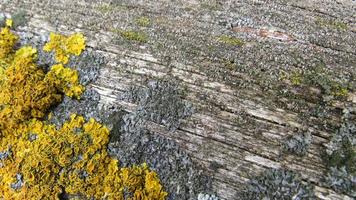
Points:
point(222, 97)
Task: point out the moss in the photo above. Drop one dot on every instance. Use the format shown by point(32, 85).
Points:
point(105, 8)
point(143, 21)
point(296, 78)
point(132, 35)
point(332, 24)
point(229, 64)
point(320, 78)
point(229, 40)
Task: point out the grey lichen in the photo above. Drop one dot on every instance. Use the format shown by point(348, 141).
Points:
point(2, 19)
point(32, 137)
point(161, 102)
point(132, 144)
point(87, 65)
point(87, 106)
point(340, 150)
point(5, 154)
point(341, 181)
point(19, 182)
point(277, 184)
point(207, 197)
point(19, 18)
point(298, 144)
point(340, 157)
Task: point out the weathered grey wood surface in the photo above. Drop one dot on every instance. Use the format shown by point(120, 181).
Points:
point(241, 116)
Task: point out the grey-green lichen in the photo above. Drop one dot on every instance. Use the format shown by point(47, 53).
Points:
point(179, 175)
point(277, 184)
point(340, 157)
point(19, 18)
point(161, 102)
point(202, 196)
point(298, 143)
point(341, 181)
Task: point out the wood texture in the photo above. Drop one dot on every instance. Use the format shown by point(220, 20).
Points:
point(240, 119)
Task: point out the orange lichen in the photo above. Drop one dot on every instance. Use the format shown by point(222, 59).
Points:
point(39, 160)
point(64, 46)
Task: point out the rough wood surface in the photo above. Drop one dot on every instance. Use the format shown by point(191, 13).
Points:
point(241, 113)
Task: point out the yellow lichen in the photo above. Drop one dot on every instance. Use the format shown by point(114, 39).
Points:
point(71, 159)
point(25, 93)
point(133, 179)
point(9, 22)
point(66, 80)
point(65, 46)
point(42, 161)
point(7, 42)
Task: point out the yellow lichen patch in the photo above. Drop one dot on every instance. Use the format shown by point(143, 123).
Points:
point(71, 159)
point(7, 42)
point(9, 22)
point(39, 160)
point(66, 80)
point(25, 93)
point(64, 46)
point(142, 183)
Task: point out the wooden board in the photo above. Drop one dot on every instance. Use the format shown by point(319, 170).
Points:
point(241, 117)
